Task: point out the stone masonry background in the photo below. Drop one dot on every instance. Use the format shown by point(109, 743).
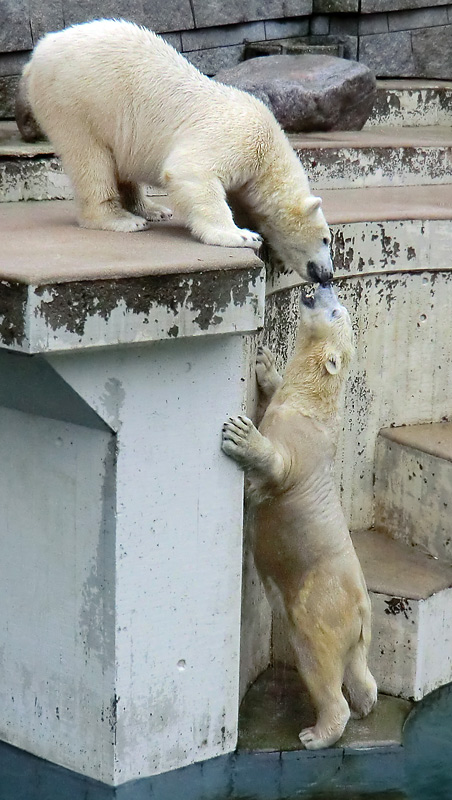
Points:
point(395, 38)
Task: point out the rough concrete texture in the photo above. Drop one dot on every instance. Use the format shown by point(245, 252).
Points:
point(309, 92)
point(413, 486)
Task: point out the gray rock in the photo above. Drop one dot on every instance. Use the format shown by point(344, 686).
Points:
point(309, 92)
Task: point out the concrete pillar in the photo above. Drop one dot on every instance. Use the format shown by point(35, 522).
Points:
point(121, 527)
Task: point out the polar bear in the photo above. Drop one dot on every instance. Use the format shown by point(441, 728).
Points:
point(303, 550)
point(123, 108)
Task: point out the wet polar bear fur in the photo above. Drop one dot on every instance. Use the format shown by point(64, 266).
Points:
point(303, 550)
point(123, 108)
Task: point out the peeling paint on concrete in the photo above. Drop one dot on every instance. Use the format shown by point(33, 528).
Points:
point(13, 303)
point(68, 306)
point(361, 166)
point(411, 106)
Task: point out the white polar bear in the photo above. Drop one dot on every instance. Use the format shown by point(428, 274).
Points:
point(302, 548)
point(123, 108)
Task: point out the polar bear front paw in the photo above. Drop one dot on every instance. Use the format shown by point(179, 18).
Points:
point(240, 237)
point(267, 376)
point(240, 439)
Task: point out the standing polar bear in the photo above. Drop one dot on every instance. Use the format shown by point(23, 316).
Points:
point(123, 108)
point(303, 550)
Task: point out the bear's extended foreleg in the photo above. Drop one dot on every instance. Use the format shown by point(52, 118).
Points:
point(200, 199)
point(243, 442)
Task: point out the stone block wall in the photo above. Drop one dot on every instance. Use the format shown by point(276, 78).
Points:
point(211, 33)
point(407, 43)
point(395, 38)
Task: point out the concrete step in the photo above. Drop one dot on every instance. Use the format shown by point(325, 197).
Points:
point(413, 486)
point(334, 160)
point(377, 156)
point(411, 597)
point(410, 102)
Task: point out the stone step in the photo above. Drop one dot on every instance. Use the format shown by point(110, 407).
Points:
point(413, 486)
point(333, 160)
point(411, 597)
point(411, 102)
point(377, 156)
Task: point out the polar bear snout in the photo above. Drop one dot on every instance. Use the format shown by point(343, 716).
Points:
point(320, 272)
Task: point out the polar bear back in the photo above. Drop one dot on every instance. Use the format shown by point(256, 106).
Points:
point(136, 92)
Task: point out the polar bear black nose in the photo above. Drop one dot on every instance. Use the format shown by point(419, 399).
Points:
point(319, 273)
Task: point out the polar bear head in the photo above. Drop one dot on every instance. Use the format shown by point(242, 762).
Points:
point(299, 240)
point(325, 332)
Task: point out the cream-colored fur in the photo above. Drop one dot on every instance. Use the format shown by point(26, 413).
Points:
point(303, 549)
point(124, 109)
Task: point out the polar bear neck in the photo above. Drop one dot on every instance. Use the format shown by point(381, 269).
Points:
point(280, 183)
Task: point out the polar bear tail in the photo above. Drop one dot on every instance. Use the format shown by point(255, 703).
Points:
point(28, 127)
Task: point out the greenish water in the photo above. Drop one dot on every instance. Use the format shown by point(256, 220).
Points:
point(420, 770)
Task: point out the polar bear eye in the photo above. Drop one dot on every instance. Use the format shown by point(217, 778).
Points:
point(325, 241)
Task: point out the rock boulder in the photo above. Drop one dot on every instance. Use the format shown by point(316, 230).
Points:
point(308, 92)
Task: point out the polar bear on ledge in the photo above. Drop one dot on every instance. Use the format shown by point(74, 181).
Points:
point(124, 108)
point(302, 546)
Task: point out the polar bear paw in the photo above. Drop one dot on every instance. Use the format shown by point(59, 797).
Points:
point(241, 440)
point(267, 376)
point(239, 237)
point(124, 223)
point(315, 739)
point(156, 213)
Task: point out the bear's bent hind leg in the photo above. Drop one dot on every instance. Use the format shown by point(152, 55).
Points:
point(92, 170)
point(360, 685)
point(134, 200)
point(320, 665)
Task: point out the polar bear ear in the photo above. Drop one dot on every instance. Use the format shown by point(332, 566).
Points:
point(333, 363)
point(312, 204)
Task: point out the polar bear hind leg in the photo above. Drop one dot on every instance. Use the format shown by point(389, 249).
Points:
point(360, 685)
point(92, 170)
point(319, 664)
point(200, 199)
point(134, 200)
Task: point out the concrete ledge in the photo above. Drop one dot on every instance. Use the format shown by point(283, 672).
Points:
point(63, 287)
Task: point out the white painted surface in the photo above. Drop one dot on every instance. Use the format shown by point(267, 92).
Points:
point(178, 544)
point(411, 649)
point(57, 585)
point(413, 497)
